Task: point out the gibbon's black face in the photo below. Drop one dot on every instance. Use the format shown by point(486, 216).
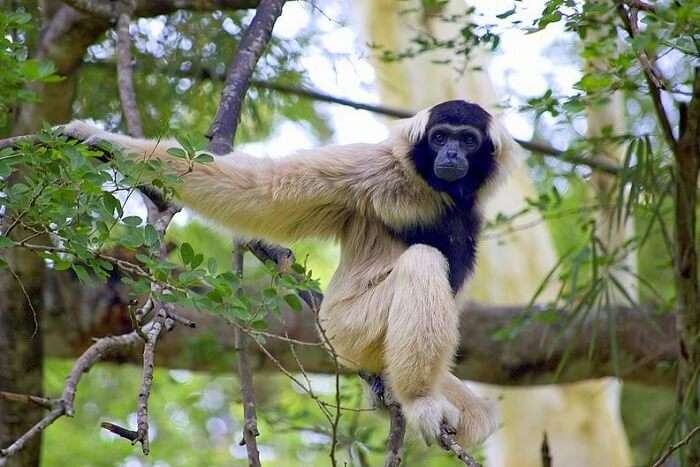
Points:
point(456, 153)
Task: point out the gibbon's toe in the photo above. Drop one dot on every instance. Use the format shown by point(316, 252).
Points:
point(479, 420)
point(427, 414)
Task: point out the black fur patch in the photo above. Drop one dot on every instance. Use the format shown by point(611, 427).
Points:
point(455, 232)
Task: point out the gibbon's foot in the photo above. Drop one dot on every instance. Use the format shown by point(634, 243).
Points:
point(427, 415)
point(376, 386)
point(478, 422)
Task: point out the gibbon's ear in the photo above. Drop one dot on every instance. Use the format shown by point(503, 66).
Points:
point(507, 156)
point(413, 128)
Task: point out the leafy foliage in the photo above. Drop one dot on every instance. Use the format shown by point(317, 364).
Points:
point(18, 68)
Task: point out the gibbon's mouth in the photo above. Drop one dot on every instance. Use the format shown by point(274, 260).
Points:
point(450, 173)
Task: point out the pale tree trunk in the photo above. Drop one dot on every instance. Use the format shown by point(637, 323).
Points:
point(611, 228)
point(582, 420)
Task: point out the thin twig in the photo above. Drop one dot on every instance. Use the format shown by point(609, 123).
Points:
point(598, 163)
point(160, 322)
point(449, 443)
point(28, 399)
point(65, 405)
point(397, 422)
point(40, 426)
point(686, 439)
point(653, 76)
point(315, 308)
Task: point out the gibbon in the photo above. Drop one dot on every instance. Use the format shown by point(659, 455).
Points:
point(406, 212)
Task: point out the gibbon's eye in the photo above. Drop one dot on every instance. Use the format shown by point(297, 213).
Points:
point(471, 139)
point(439, 138)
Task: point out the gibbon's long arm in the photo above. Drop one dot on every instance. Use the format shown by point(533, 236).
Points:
point(311, 193)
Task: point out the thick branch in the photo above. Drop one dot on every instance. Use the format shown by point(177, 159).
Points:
point(647, 342)
point(250, 48)
point(108, 10)
point(221, 134)
point(687, 170)
point(125, 78)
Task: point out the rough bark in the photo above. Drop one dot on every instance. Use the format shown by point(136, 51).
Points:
point(21, 351)
point(253, 42)
point(687, 157)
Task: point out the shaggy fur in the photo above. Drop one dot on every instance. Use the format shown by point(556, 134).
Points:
point(407, 245)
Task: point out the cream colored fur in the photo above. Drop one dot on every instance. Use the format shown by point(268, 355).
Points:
point(388, 308)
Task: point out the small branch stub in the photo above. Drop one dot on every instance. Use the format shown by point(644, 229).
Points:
point(545, 452)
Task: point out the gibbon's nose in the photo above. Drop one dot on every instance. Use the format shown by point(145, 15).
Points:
point(451, 155)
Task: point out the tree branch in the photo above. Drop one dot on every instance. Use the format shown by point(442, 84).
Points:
point(646, 338)
point(245, 376)
point(397, 422)
point(449, 443)
point(599, 163)
point(125, 78)
point(675, 447)
point(250, 48)
point(652, 75)
point(109, 10)
point(221, 135)
point(687, 274)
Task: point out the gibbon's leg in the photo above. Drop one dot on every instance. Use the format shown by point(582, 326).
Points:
point(421, 338)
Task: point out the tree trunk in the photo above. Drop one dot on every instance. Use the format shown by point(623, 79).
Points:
point(687, 157)
point(65, 36)
point(21, 351)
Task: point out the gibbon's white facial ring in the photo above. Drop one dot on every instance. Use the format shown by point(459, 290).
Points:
point(452, 145)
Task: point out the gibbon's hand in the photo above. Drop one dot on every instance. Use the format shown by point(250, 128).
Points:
point(81, 131)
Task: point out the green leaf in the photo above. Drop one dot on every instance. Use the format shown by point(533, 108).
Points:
point(186, 253)
point(81, 272)
point(133, 221)
point(35, 70)
point(211, 266)
point(197, 260)
point(293, 302)
point(177, 152)
point(6, 242)
point(185, 142)
point(204, 158)
point(150, 235)
point(112, 204)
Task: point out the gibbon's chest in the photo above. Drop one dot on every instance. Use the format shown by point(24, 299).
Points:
point(455, 235)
